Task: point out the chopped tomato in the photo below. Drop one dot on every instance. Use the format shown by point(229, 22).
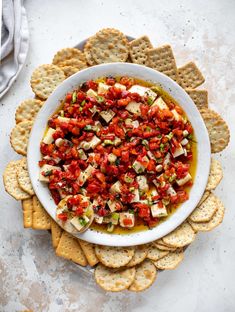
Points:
point(62, 216)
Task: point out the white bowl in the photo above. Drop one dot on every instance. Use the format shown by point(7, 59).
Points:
point(147, 74)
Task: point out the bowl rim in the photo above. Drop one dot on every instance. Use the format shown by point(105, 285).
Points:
point(179, 94)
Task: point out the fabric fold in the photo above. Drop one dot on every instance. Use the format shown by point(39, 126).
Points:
point(14, 43)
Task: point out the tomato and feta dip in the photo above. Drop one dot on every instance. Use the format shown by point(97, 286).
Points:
point(121, 148)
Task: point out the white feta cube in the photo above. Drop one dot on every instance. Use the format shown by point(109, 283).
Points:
point(185, 133)
point(115, 188)
point(184, 142)
point(46, 169)
point(167, 159)
point(99, 219)
point(82, 154)
point(184, 180)
point(136, 197)
point(152, 193)
point(160, 103)
point(107, 115)
point(138, 167)
point(150, 155)
point(134, 108)
point(138, 89)
point(102, 88)
point(171, 191)
point(143, 91)
point(112, 205)
point(77, 224)
point(125, 215)
point(64, 119)
point(178, 151)
point(91, 144)
point(91, 93)
point(48, 138)
point(142, 181)
point(177, 116)
point(158, 212)
point(85, 175)
point(112, 158)
point(120, 86)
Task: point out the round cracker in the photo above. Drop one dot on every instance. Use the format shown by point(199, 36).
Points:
point(170, 261)
point(205, 211)
point(45, 79)
point(217, 129)
point(23, 177)
point(204, 197)
point(87, 52)
point(10, 181)
point(114, 280)
point(74, 63)
point(69, 70)
point(109, 45)
point(155, 254)
point(214, 222)
point(164, 247)
point(181, 236)
point(68, 53)
point(145, 275)
point(20, 135)
point(28, 109)
point(140, 254)
point(215, 176)
point(114, 257)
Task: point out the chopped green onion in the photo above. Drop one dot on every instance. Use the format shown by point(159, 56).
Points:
point(117, 162)
point(87, 128)
point(148, 128)
point(62, 113)
point(145, 143)
point(109, 142)
point(83, 103)
point(82, 221)
point(128, 179)
point(80, 109)
point(150, 100)
point(100, 99)
point(74, 97)
point(170, 136)
point(47, 173)
point(115, 215)
point(172, 178)
point(162, 147)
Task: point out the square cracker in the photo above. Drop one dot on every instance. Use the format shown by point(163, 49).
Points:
point(199, 97)
point(190, 76)
point(162, 59)
point(70, 249)
point(89, 251)
point(56, 232)
point(139, 48)
point(41, 219)
point(27, 206)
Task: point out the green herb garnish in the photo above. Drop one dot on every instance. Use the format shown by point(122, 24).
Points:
point(74, 97)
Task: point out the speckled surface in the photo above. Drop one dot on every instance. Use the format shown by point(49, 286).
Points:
point(31, 276)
